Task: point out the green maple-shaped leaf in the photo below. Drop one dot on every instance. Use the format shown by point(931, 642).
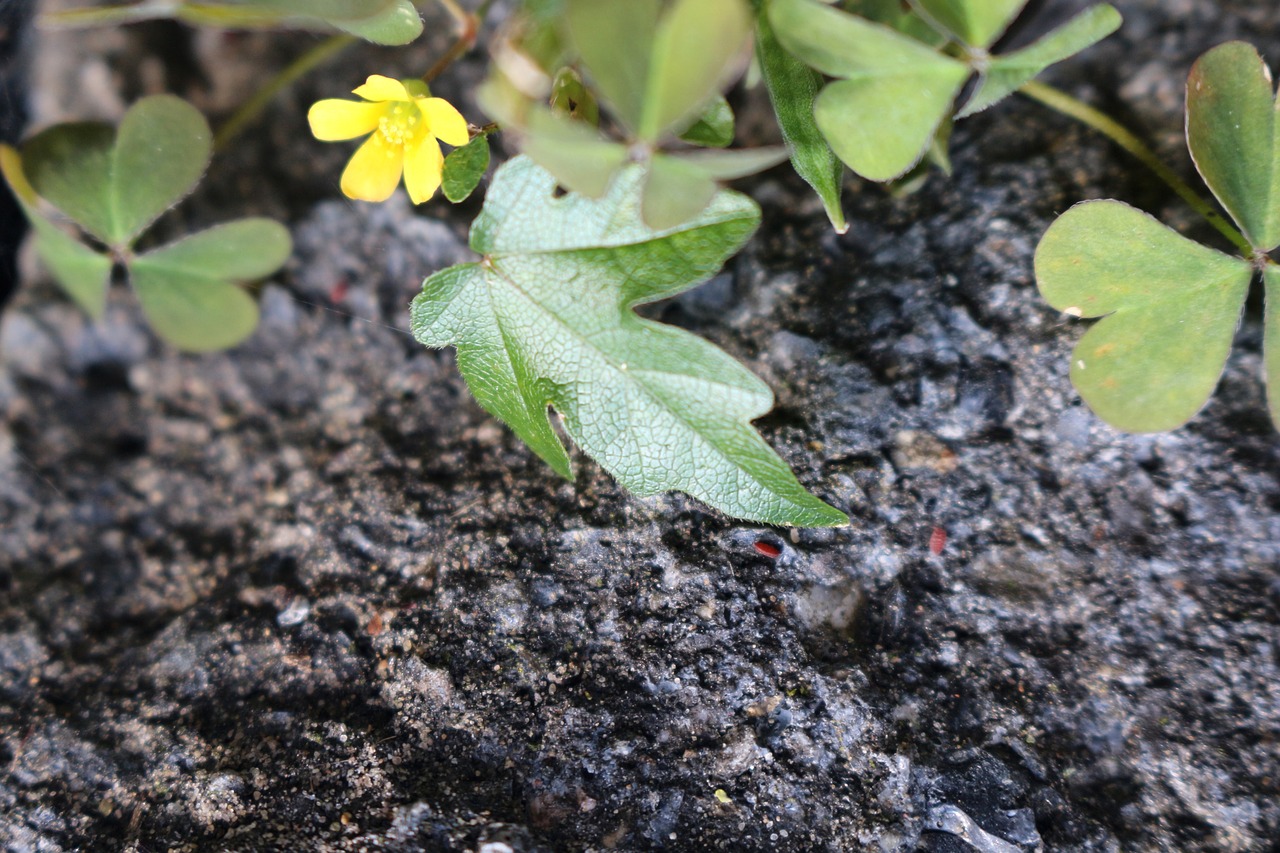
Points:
point(546, 319)
point(1171, 307)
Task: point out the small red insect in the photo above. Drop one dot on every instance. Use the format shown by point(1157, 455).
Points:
point(768, 549)
point(338, 293)
point(937, 541)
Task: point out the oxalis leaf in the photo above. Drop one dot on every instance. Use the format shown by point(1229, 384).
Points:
point(1169, 306)
point(114, 184)
point(546, 319)
point(1234, 138)
point(896, 91)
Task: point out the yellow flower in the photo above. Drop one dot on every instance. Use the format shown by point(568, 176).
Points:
point(405, 123)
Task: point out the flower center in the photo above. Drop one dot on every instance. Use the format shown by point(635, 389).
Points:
point(401, 125)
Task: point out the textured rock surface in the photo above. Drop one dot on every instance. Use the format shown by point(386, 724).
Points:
point(305, 595)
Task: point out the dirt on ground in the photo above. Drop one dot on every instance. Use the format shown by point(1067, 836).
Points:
point(306, 595)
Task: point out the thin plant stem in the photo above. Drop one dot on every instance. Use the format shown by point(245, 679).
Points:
point(459, 14)
point(468, 30)
point(249, 110)
point(1061, 102)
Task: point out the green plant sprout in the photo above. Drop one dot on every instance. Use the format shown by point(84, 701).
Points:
point(1171, 306)
point(899, 74)
point(622, 104)
point(113, 186)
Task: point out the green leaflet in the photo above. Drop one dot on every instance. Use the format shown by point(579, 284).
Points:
point(1234, 138)
point(893, 94)
point(463, 169)
point(1170, 309)
point(793, 86)
point(188, 288)
point(714, 128)
point(83, 273)
point(112, 183)
point(615, 38)
point(1271, 339)
point(546, 319)
point(1006, 73)
point(397, 25)
point(977, 23)
point(692, 59)
point(659, 68)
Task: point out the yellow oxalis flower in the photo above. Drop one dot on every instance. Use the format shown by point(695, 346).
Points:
point(405, 123)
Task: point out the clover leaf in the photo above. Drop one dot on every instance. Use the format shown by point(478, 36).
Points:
point(894, 91)
point(546, 319)
point(113, 184)
point(1002, 75)
point(187, 289)
point(1170, 306)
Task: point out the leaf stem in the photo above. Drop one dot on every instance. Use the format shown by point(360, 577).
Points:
point(1061, 102)
point(249, 110)
point(83, 18)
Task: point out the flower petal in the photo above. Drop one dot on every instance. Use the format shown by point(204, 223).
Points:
point(378, 88)
point(444, 122)
point(374, 171)
point(335, 119)
point(423, 166)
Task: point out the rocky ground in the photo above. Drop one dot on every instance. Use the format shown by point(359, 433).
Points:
point(307, 595)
